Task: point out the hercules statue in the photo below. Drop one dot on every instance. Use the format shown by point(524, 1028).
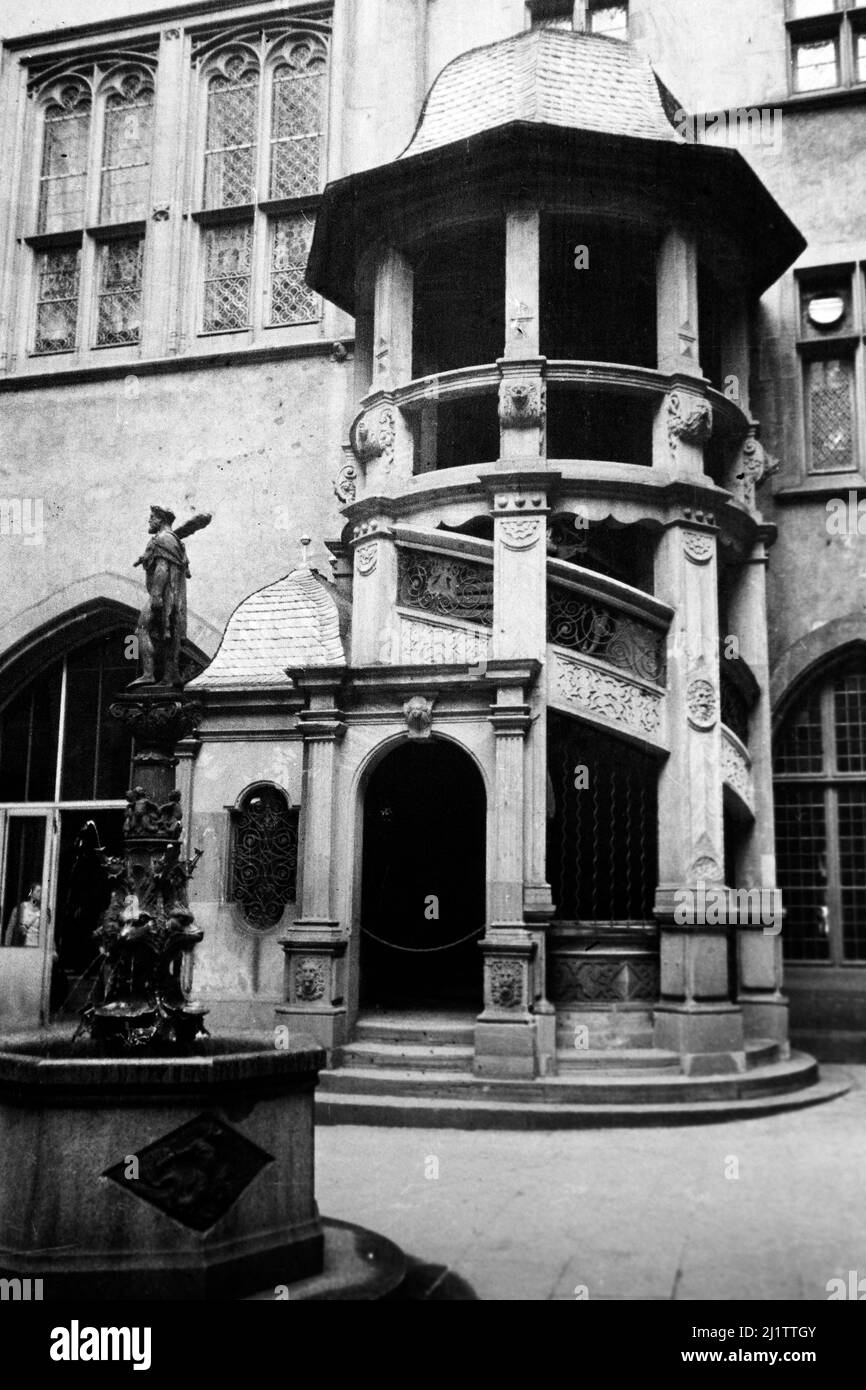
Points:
point(162, 622)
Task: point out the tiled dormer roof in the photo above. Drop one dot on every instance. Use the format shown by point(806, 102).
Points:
point(550, 77)
point(293, 622)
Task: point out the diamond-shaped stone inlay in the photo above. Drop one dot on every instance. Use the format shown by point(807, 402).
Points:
point(195, 1173)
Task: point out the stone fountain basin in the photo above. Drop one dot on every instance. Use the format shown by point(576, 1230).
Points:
point(182, 1172)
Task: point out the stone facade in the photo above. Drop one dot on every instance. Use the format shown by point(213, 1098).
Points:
point(325, 426)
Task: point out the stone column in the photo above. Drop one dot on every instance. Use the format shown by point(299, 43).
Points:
point(381, 435)
point(695, 1016)
point(765, 1010)
point(522, 394)
point(505, 1041)
point(315, 945)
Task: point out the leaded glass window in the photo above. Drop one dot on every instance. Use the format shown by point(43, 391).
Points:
point(63, 177)
point(820, 770)
point(298, 122)
point(831, 414)
point(265, 103)
point(230, 157)
point(228, 261)
point(291, 299)
point(264, 856)
point(119, 294)
point(127, 139)
point(57, 300)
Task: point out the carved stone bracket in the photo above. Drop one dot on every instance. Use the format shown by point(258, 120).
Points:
point(418, 713)
point(373, 434)
point(690, 419)
point(522, 404)
point(346, 483)
point(751, 468)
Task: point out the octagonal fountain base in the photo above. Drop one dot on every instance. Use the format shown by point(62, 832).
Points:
point(180, 1173)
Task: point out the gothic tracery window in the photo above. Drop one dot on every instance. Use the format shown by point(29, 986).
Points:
point(94, 176)
point(264, 856)
point(264, 142)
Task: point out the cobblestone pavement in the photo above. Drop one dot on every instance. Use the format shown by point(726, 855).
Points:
point(755, 1209)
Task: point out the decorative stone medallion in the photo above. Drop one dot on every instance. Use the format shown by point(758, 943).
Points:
point(521, 534)
point(701, 704)
point(309, 979)
point(698, 546)
point(506, 984)
point(195, 1174)
point(366, 557)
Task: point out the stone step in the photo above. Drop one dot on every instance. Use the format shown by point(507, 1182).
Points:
point(442, 1100)
point(666, 1087)
point(408, 1056)
point(619, 1059)
point(423, 1028)
point(794, 1089)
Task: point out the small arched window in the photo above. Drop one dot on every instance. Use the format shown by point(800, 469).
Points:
point(264, 856)
point(820, 794)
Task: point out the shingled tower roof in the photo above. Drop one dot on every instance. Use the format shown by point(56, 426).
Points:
point(551, 77)
point(293, 622)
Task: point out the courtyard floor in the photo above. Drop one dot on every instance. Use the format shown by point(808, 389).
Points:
point(754, 1209)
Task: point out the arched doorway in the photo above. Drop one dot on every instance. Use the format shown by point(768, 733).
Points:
point(423, 898)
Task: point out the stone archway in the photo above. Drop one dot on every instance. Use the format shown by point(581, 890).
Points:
point(423, 879)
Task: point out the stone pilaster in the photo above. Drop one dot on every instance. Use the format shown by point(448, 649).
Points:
point(315, 945)
point(520, 506)
point(505, 1037)
point(759, 953)
point(164, 214)
point(695, 1016)
point(677, 305)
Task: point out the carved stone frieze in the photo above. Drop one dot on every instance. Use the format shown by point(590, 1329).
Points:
point(435, 644)
point(590, 691)
point(737, 772)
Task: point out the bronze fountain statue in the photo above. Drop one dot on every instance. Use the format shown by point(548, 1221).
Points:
point(147, 932)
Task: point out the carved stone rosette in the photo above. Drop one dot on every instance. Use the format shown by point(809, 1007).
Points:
point(701, 704)
point(522, 404)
